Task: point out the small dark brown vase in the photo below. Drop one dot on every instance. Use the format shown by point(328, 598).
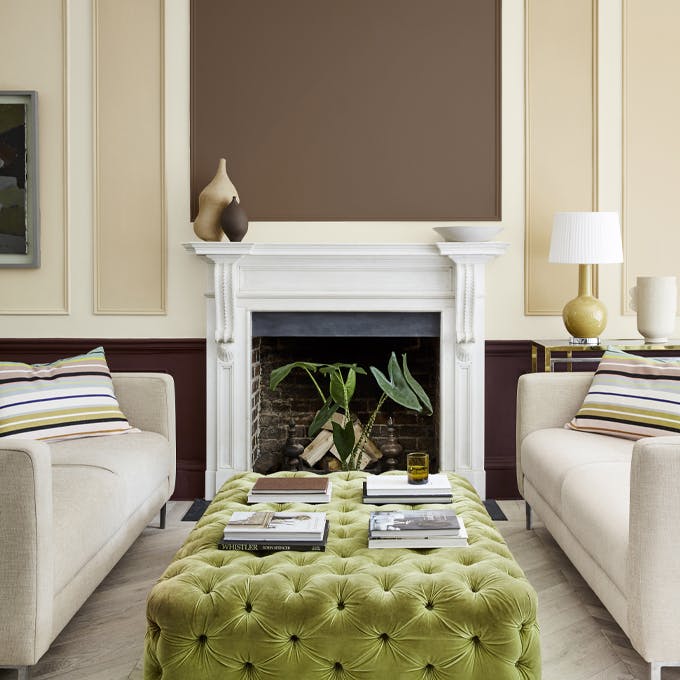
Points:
point(234, 221)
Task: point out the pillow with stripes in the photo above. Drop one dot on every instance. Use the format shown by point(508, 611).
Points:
point(631, 397)
point(66, 399)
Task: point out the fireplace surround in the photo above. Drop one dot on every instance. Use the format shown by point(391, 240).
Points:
point(446, 279)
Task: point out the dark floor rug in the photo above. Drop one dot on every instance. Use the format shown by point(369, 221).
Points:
point(195, 512)
point(198, 507)
point(494, 510)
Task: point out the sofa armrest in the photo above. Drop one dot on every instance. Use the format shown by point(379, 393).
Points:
point(148, 402)
point(26, 551)
point(654, 549)
point(546, 400)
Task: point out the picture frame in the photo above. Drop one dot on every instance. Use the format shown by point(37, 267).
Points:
point(19, 198)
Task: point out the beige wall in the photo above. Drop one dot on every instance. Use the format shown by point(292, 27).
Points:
point(186, 276)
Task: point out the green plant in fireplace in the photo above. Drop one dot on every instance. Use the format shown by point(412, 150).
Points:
point(341, 379)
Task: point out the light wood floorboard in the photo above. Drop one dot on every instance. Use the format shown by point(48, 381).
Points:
point(579, 639)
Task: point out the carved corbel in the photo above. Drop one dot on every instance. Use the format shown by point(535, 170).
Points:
point(224, 301)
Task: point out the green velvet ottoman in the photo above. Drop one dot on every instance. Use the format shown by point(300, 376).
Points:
point(347, 613)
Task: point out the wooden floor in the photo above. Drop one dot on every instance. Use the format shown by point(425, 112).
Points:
point(580, 641)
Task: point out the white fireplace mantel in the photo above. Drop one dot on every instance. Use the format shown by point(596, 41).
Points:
point(447, 278)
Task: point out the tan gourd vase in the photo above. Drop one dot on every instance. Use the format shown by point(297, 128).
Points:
point(214, 198)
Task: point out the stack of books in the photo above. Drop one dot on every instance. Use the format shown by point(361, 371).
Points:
point(275, 531)
point(382, 489)
point(291, 490)
point(416, 529)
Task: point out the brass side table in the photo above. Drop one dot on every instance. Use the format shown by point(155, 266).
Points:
point(566, 351)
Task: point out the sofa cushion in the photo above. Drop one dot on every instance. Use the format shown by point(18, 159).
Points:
point(631, 397)
point(595, 505)
point(549, 455)
point(68, 398)
point(141, 460)
point(88, 509)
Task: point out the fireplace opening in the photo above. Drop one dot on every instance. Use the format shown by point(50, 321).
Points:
point(296, 400)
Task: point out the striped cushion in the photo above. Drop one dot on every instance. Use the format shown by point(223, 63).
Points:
point(62, 400)
point(631, 397)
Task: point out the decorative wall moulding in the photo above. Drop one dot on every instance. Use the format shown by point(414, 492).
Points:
point(561, 115)
point(651, 145)
point(444, 278)
point(130, 220)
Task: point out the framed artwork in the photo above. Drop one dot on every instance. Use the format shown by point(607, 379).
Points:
point(19, 207)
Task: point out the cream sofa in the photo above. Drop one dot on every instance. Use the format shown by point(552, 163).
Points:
point(612, 504)
point(69, 511)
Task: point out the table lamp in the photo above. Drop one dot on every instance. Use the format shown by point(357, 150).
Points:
point(585, 239)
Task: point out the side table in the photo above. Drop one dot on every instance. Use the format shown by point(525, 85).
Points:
point(590, 353)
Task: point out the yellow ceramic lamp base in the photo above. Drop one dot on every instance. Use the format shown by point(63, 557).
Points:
point(585, 317)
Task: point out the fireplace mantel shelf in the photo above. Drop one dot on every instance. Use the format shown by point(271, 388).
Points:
point(446, 278)
point(216, 248)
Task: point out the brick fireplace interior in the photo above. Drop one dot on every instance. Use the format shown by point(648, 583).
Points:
point(296, 398)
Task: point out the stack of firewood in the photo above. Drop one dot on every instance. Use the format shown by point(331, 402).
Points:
point(322, 445)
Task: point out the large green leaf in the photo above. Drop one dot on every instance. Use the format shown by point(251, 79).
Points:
point(341, 388)
point(343, 438)
point(329, 368)
point(280, 373)
point(417, 388)
point(337, 388)
point(396, 388)
point(321, 418)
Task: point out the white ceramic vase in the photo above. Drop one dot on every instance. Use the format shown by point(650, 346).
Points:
point(654, 298)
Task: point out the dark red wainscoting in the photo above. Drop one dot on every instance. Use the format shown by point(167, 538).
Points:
point(183, 359)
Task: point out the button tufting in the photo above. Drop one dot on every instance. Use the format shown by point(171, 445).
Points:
point(294, 638)
point(202, 639)
point(248, 607)
point(384, 637)
point(337, 666)
point(247, 665)
point(429, 668)
point(341, 604)
point(429, 605)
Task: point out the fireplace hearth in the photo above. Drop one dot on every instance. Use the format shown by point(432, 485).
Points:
point(443, 280)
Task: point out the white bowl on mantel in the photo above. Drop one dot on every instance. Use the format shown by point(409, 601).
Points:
point(468, 234)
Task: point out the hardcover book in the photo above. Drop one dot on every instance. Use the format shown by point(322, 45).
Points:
point(393, 485)
point(275, 526)
point(413, 523)
point(302, 545)
point(406, 499)
point(291, 485)
point(397, 540)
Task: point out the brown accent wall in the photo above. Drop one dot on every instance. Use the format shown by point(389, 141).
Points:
point(183, 359)
point(352, 110)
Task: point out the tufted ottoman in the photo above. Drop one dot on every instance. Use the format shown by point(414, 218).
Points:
point(348, 613)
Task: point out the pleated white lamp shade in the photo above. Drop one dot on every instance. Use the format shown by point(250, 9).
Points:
point(586, 238)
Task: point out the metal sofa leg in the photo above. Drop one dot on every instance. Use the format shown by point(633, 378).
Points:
point(163, 511)
point(527, 510)
point(22, 672)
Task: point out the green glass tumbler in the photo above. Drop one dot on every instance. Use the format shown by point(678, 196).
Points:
point(417, 467)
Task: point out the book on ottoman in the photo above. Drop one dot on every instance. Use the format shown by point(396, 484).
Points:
point(291, 490)
point(416, 529)
point(382, 489)
point(275, 531)
point(276, 546)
